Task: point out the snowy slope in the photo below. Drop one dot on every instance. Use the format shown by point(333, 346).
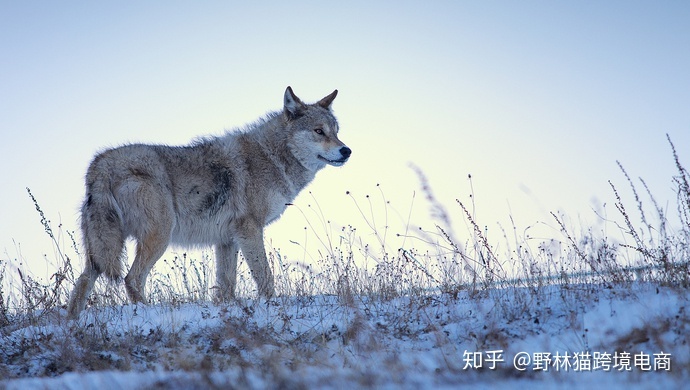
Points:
point(571, 337)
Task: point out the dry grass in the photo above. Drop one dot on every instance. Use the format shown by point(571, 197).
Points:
point(360, 279)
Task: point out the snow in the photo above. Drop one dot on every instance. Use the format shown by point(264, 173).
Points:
point(420, 341)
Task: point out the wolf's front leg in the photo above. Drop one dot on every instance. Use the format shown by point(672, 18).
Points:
point(226, 271)
point(252, 246)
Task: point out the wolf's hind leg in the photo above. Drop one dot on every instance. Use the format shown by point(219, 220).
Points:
point(149, 249)
point(81, 291)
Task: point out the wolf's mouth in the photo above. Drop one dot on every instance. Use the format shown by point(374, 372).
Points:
point(336, 163)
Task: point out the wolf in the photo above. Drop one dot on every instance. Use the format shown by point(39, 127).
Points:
point(219, 191)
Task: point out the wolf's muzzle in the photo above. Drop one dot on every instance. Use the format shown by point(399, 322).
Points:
point(345, 152)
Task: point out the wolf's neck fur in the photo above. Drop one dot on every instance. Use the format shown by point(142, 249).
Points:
point(271, 136)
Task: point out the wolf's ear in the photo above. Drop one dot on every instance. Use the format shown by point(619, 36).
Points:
point(292, 106)
point(328, 100)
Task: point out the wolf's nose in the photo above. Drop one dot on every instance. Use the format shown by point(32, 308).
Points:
point(345, 152)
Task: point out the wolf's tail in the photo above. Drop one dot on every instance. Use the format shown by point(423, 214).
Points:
point(104, 238)
point(102, 227)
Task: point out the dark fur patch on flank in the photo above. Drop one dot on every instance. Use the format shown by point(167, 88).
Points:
point(223, 180)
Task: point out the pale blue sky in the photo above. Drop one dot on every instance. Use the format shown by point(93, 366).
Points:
point(537, 100)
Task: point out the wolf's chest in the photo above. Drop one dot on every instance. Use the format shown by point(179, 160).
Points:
point(276, 204)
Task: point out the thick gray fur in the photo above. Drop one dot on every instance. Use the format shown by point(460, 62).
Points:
point(219, 191)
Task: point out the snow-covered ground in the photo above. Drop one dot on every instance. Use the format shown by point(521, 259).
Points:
point(553, 337)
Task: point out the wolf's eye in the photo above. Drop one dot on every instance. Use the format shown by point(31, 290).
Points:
point(318, 131)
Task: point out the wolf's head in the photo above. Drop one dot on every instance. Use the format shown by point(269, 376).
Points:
point(313, 131)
